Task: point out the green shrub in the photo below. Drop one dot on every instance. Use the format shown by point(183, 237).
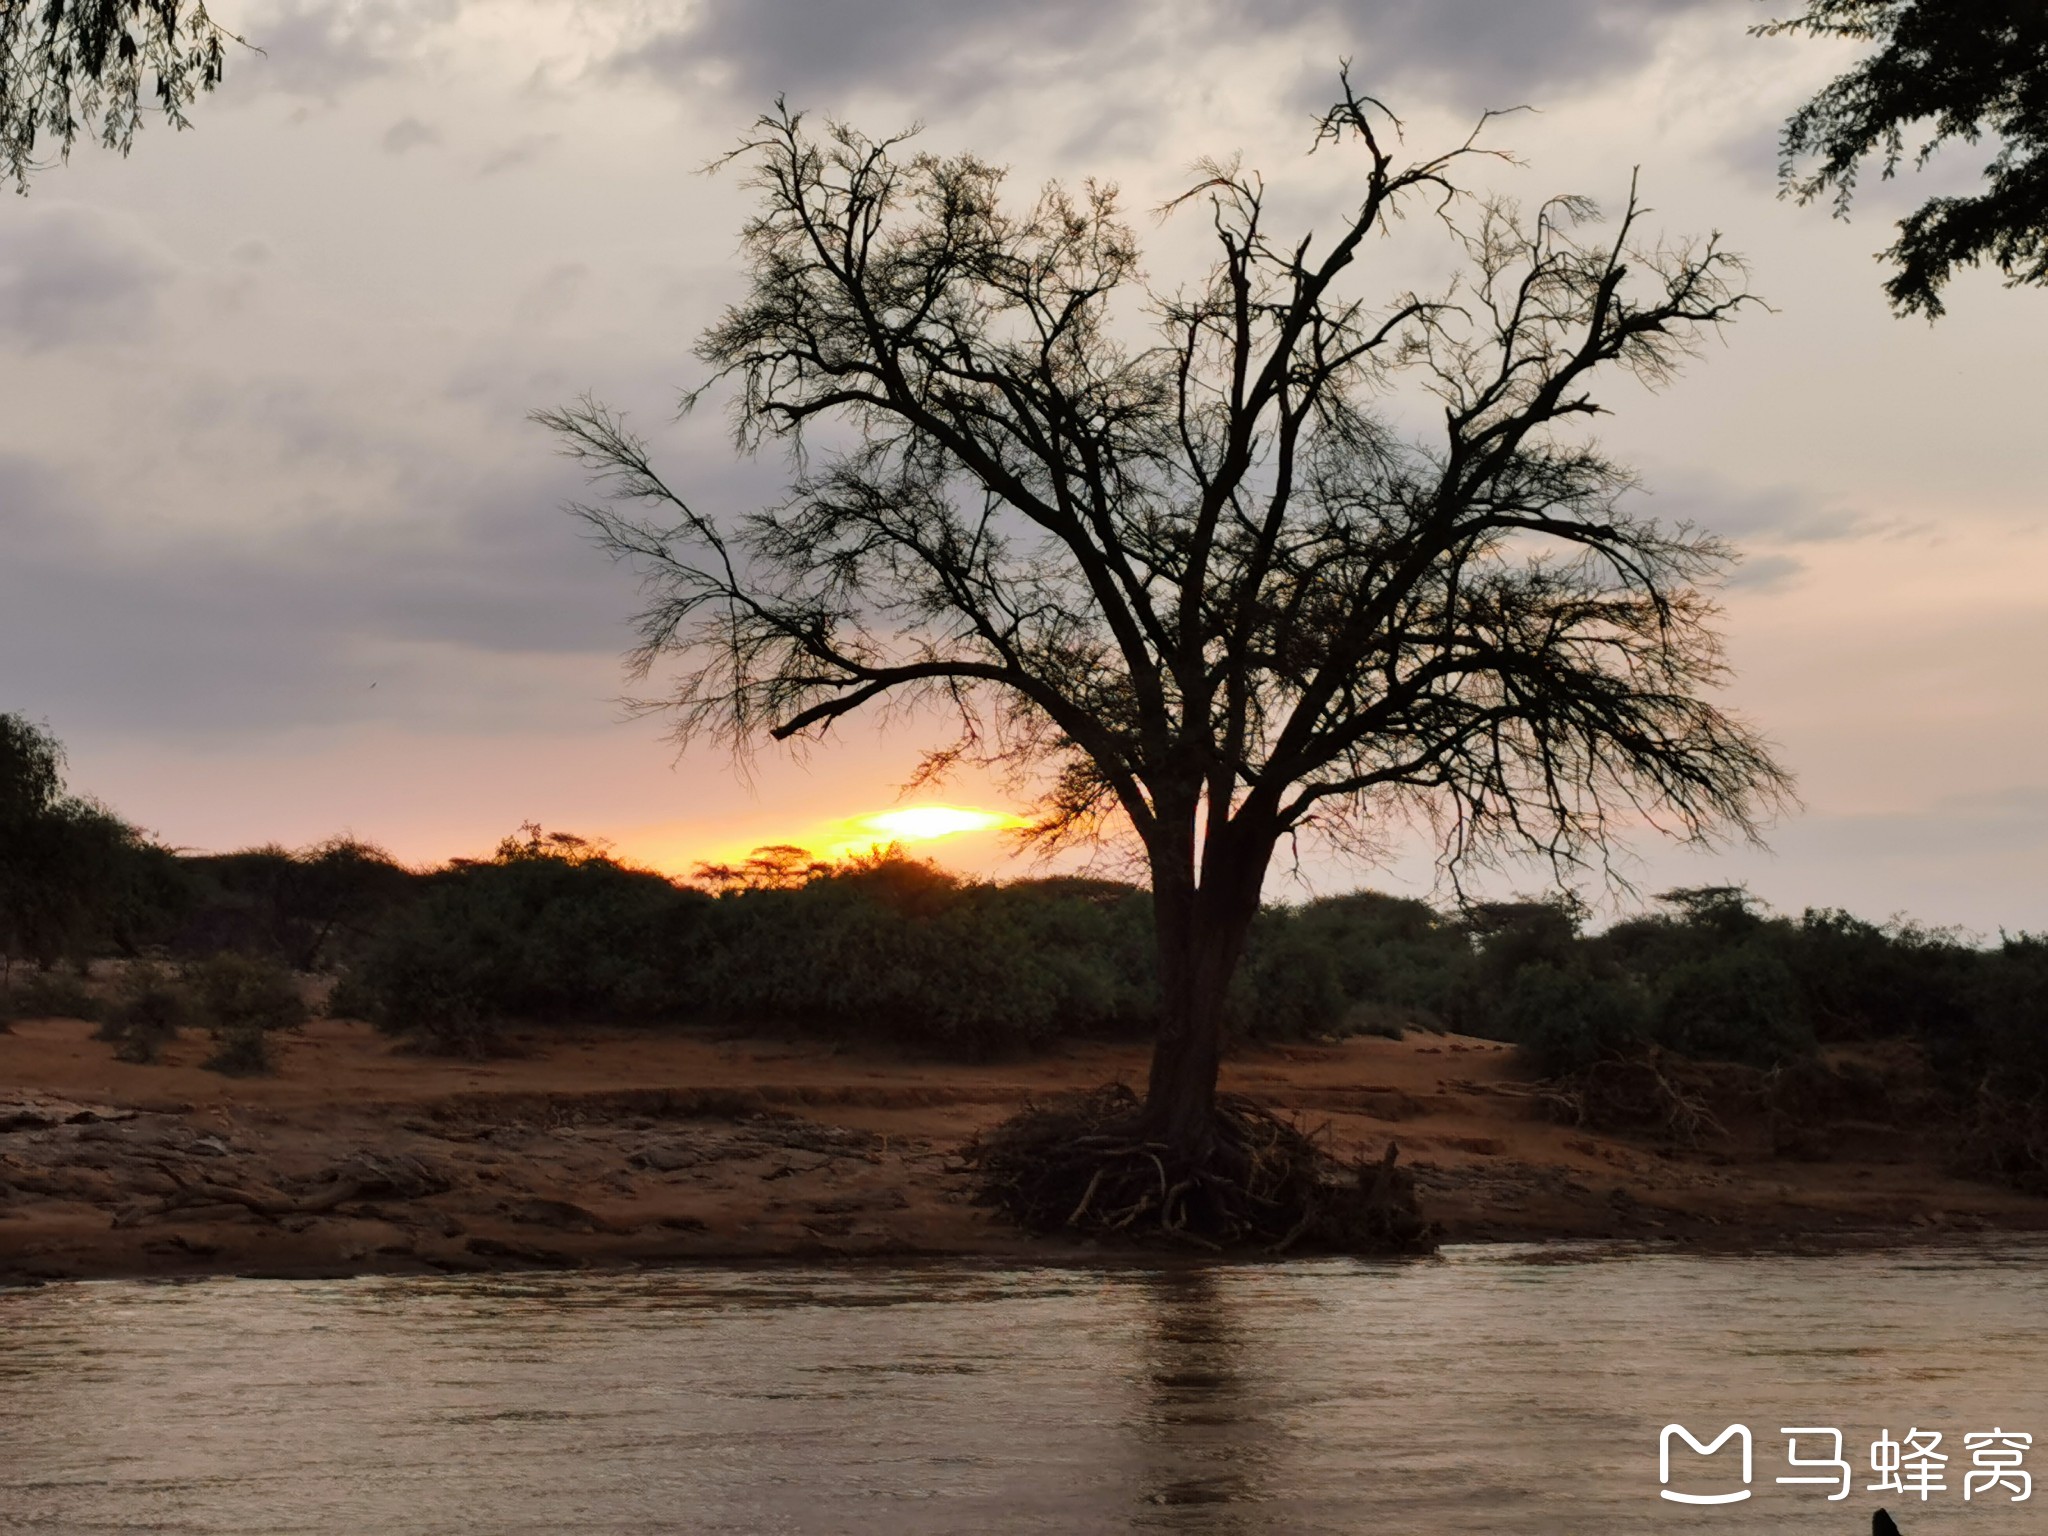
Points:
point(894, 951)
point(306, 907)
point(899, 952)
point(150, 1008)
point(1739, 1004)
point(427, 987)
point(1565, 1019)
point(242, 998)
point(1858, 980)
point(1363, 963)
point(1374, 1018)
point(240, 1049)
point(1999, 1069)
point(246, 992)
point(548, 931)
point(51, 994)
point(1290, 986)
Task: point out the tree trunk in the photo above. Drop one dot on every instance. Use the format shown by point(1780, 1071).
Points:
point(1201, 936)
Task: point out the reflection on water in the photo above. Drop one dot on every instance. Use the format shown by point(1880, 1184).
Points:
point(1493, 1390)
point(1208, 1448)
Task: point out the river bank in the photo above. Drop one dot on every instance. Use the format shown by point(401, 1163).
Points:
point(613, 1146)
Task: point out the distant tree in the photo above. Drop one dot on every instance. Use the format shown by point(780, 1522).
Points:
point(1952, 69)
point(31, 787)
point(771, 867)
point(65, 861)
point(534, 842)
point(288, 905)
point(1208, 584)
point(1730, 908)
point(31, 771)
point(81, 66)
point(344, 887)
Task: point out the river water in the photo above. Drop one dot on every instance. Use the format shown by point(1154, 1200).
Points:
point(1493, 1389)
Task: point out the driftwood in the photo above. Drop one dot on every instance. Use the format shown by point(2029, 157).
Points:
point(1624, 1093)
point(2005, 1137)
point(360, 1178)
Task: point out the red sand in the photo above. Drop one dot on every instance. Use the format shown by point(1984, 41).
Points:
point(610, 1146)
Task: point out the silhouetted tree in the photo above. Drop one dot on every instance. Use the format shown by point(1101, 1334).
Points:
point(771, 867)
point(66, 65)
point(31, 771)
point(65, 861)
point(1968, 69)
point(1206, 584)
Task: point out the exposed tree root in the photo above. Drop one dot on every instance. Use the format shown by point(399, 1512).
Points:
point(1632, 1093)
point(1082, 1164)
point(2005, 1137)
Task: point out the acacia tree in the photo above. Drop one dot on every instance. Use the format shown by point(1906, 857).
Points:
point(1965, 68)
point(1203, 583)
point(68, 64)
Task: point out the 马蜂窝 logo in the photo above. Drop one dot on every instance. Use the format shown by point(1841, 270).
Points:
point(1732, 1432)
point(1914, 1466)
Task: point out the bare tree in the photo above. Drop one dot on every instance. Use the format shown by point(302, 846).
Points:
point(1205, 584)
point(68, 65)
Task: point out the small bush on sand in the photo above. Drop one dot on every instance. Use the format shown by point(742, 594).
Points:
point(149, 1010)
point(240, 1049)
point(242, 998)
point(1379, 1020)
point(246, 992)
point(441, 1016)
point(52, 994)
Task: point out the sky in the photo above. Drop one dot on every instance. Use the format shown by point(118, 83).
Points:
point(282, 557)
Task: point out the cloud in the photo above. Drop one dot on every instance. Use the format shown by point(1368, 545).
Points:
point(1778, 514)
point(319, 48)
point(930, 46)
point(1766, 573)
point(408, 133)
point(1469, 53)
point(1768, 526)
point(1775, 529)
point(268, 631)
point(1480, 54)
point(553, 296)
point(34, 501)
point(70, 275)
point(523, 151)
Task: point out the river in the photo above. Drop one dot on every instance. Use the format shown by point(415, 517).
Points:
point(1494, 1389)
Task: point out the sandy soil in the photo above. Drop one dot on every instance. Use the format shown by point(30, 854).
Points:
point(615, 1146)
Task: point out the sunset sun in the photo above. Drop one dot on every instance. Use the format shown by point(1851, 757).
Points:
point(910, 824)
point(923, 823)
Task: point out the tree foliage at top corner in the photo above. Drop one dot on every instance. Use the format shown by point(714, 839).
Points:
point(1956, 70)
point(95, 67)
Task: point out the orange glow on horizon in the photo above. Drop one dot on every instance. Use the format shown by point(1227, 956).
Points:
point(679, 850)
point(910, 824)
